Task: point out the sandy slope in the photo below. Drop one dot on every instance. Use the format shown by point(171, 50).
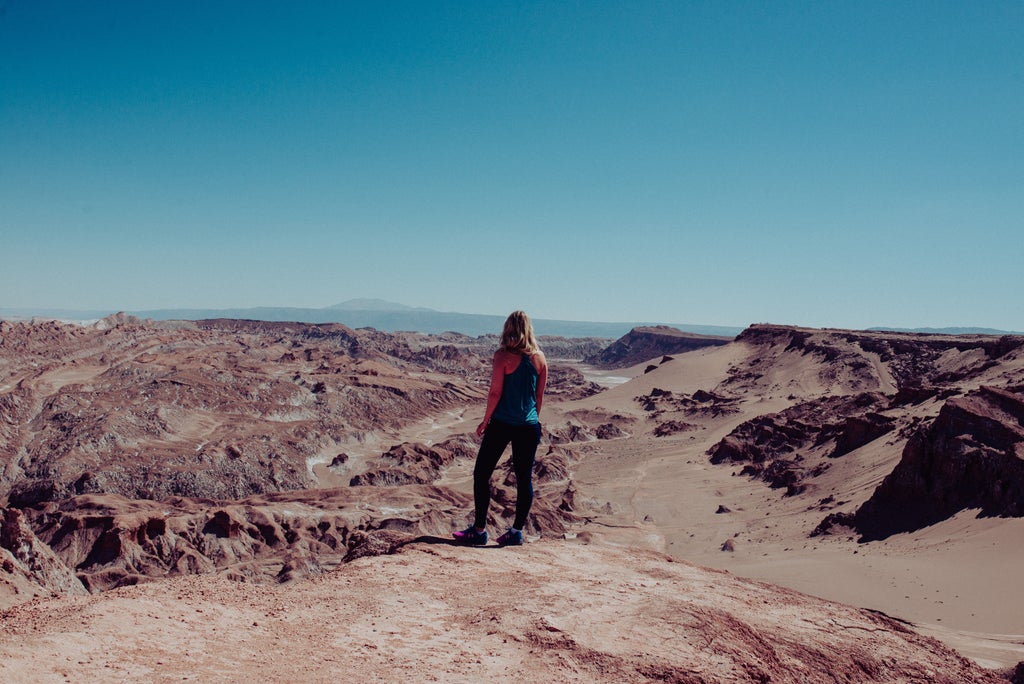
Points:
point(958, 580)
point(548, 611)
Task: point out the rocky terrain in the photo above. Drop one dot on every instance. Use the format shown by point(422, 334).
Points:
point(217, 409)
point(969, 456)
point(285, 453)
point(870, 467)
point(548, 611)
point(132, 449)
point(642, 344)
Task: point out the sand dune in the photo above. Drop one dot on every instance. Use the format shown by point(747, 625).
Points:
point(955, 579)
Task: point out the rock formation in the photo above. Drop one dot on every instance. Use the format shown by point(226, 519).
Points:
point(218, 409)
point(876, 381)
point(972, 456)
point(788, 447)
point(867, 360)
point(550, 611)
point(28, 567)
point(641, 344)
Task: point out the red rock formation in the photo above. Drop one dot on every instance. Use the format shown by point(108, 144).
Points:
point(29, 566)
point(608, 431)
point(406, 464)
point(671, 427)
point(110, 541)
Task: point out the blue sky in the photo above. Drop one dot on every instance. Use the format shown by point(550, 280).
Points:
point(814, 163)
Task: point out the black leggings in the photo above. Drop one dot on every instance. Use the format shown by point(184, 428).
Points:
point(524, 439)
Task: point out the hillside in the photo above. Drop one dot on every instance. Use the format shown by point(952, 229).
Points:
point(753, 456)
point(648, 343)
point(549, 611)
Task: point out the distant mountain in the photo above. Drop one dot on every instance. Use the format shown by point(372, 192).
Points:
point(20, 314)
point(367, 304)
point(385, 316)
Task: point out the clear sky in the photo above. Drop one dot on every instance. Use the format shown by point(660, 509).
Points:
point(845, 164)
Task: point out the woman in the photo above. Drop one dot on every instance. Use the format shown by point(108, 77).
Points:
point(518, 376)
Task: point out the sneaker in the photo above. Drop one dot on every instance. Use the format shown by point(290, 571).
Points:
point(470, 537)
point(511, 538)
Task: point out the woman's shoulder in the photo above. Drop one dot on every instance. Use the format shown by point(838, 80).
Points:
point(510, 358)
point(505, 357)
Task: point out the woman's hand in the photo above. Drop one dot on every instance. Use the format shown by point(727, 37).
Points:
point(480, 429)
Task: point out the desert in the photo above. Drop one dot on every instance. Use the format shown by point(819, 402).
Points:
point(222, 500)
point(261, 264)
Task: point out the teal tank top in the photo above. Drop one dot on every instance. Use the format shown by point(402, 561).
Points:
point(518, 403)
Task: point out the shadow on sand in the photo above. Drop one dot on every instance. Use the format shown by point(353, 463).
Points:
point(447, 541)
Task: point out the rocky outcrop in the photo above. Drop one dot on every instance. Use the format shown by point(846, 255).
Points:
point(215, 409)
point(103, 542)
point(856, 431)
point(671, 427)
point(786, 448)
point(701, 403)
point(609, 431)
point(972, 456)
point(918, 364)
point(409, 463)
point(29, 566)
point(642, 344)
point(570, 432)
point(400, 611)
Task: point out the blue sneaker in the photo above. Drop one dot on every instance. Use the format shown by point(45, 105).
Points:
point(470, 537)
point(512, 537)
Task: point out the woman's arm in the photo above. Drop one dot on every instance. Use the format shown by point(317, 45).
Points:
point(493, 394)
point(541, 364)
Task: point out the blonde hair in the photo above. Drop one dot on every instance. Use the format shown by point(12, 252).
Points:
point(517, 335)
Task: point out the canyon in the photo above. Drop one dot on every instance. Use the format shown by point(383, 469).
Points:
point(251, 464)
